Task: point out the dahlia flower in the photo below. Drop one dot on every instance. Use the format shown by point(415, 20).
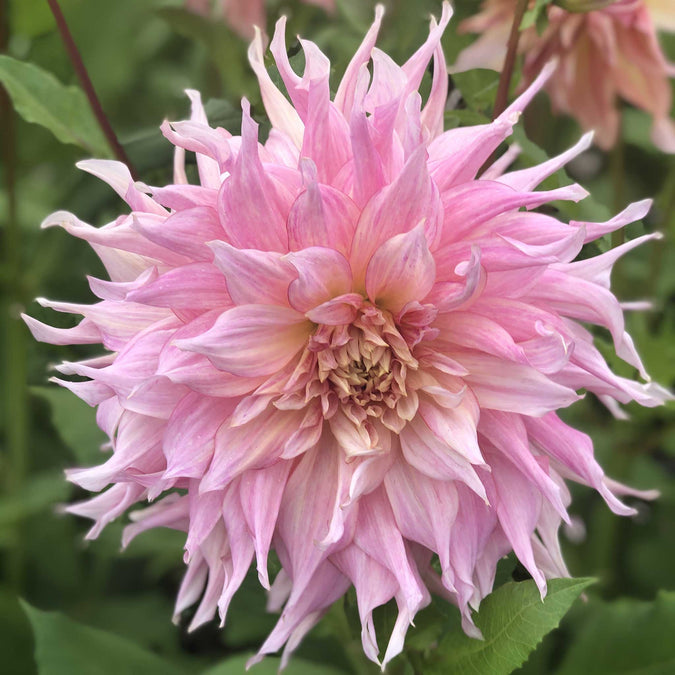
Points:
point(243, 15)
point(345, 347)
point(604, 55)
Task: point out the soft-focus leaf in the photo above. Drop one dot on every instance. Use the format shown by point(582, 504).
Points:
point(248, 623)
point(33, 17)
point(270, 666)
point(226, 49)
point(636, 129)
point(531, 154)
point(625, 637)
point(40, 98)
point(161, 546)
point(221, 113)
point(513, 620)
point(535, 14)
point(64, 647)
point(15, 636)
point(462, 117)
point(40, 492)
point(478, 87)
point(144, 618)
point(75, 421)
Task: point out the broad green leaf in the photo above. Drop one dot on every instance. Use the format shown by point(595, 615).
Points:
point(270, 666)
point(40, 98)
point(513, 620)
point(75, 421)
point(65, 647)
point(625, 637)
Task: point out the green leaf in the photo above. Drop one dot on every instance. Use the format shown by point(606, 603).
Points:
point(75, 421)
point(532, 154)
point(40, 98)
point(463, 117)
point(478, 87)
point(226, 49)
point(625, 637)
point(33, 17)
point(248, 623)
point(270, 666)
point(535, 15)
point(65, 647)
point(40, 492)
point(513, 620)
point(16, 642)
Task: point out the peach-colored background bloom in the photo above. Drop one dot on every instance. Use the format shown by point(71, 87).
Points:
point(603, 55)
point(243, 15)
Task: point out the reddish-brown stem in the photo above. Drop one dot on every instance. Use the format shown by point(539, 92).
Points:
point(510, 60)
point(85, 81)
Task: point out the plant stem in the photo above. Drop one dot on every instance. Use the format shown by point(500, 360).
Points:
point(510, 60)
point(14, 357)
point(87, 85)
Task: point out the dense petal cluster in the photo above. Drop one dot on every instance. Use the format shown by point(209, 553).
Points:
point(344, 346)
point(607, 54)
point(243, 15)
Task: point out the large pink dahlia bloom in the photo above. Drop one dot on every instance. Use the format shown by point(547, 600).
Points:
point(243, 15)
point(344, 346)
point(602, 56)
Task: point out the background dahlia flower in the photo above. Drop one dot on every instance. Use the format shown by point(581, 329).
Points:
point(243, 15)
point(602, 56)
point(344, 346)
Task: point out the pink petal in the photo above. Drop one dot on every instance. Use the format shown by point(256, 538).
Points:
point(281, 113)
point(435, 458)
point(253, 277)
point(322, 216)
point(251, 209)
point(411, 199)
point(400, 271)
point(512, 387)
point(261, 492)
point(252, 340)
point(323, 273)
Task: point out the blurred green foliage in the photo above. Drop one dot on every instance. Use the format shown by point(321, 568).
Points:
point(114, 609)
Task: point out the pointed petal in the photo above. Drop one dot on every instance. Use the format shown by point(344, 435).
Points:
point(252, 340)
point(400, 271)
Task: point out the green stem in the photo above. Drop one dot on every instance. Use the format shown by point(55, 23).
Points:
point(510, 60)
point(15, 389)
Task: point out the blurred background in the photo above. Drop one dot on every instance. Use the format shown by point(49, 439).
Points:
point(141, 55)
